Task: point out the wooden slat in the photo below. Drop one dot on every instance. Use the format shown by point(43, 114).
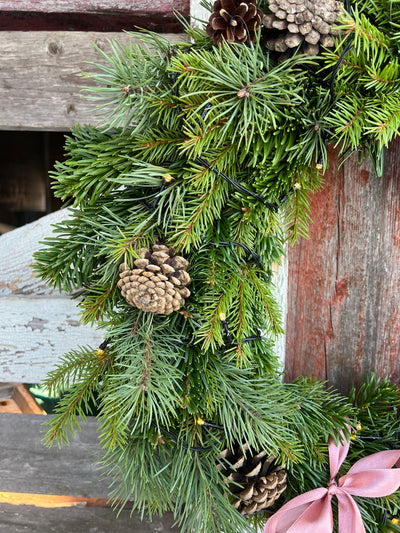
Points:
point(91, 15)
point(26, 518)
point(16, 251)
point(35, 332)
point(37, 324)
point(53, 63)
point(344, 283)
point(92, 6)
point(26, 401)
point(26, 466)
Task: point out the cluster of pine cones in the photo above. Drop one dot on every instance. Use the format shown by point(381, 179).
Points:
point(291, 24)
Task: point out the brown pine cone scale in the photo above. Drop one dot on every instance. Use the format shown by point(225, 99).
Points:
point(301, 22)
point(234, 21)
point(257, 480)
point(159, 283)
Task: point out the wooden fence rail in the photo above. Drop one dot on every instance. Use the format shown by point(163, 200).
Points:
point(58, 490)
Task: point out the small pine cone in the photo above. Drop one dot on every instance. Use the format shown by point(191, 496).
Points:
point(257, 480)
point(234, 21)
point(159, 282)
point(308, 23)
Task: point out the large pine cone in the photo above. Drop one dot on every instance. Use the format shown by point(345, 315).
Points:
point(258, 480)
point(301, 22)
point(159, 283)
point(234, 21)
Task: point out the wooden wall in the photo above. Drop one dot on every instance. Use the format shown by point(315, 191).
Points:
point(344, 282)
point(53, 62)
point(91, 15)
point(343, 294)
point(40, 92)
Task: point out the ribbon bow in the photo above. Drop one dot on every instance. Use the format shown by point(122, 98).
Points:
point(311, 512)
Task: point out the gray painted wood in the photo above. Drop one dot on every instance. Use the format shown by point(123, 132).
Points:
point(16, 250)
point(37, 324)
point(29, 519)
point(41, 77)
point(27, 466)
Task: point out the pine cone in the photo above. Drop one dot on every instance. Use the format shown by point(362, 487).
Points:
point(234, 21)
point(257, 480)
point(159, 283)
point(301, 22)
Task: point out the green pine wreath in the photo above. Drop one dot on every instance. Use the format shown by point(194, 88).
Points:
point(208, 153)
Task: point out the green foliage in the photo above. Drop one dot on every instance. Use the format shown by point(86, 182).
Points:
point(213, 151)
point(366, 112)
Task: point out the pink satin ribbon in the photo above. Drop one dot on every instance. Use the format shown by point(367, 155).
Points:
point(311, 512)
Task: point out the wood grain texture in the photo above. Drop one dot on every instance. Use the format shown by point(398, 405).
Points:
point(344, 289)
point(91, 15)
point(26, 465)
point(37, 324)
point(41, 77)
point(29, 519)
point(35, 332)
point(16, 251)
point(92, 6)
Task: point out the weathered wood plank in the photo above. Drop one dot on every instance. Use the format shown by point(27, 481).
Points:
point(53, 63)
point(344, 283)
point(35, 332)
point(26, 518)
point(91, 15)
point(16, 250)
point(37, 324)
point(26, 465)
point(92, 6)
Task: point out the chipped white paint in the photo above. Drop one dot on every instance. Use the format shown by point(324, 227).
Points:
point(280, 280)
point(16, 250)
point(35, 332)
point(37, 324)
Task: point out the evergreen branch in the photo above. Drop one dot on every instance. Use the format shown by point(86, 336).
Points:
point(76, 401)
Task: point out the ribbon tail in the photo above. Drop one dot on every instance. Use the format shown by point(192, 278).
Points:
point(308, 513)
point(349, 514)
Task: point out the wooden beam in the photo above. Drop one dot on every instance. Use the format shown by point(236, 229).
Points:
point(67, 471)
point(344, 289)
point(91, 15)
point(37, 323)
point(93, 6)
point(33, 477)
point(77, 519)
point(41, 77)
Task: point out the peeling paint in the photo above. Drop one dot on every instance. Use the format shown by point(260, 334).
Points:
point(37, 323)
point(73, 323)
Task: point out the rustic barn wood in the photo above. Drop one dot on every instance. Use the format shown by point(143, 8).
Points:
point(26, 518)
point(41, 77)
point(28, 467)
point(344, 283)
point(37, 323)
point(99, 15)
point(68, 471)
